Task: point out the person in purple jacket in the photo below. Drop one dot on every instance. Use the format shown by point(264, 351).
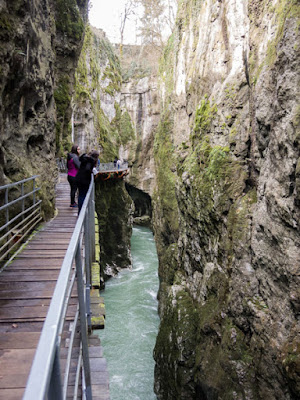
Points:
point(73, 165)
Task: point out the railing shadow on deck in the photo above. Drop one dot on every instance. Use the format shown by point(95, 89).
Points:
point(46, 379)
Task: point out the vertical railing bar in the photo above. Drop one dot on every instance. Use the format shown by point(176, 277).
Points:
point(23, 202)
point(93, 224)
point(91, 235)
point(6, 202)
point(69, 356)
point(83, 326)
point(33, 191)
point(87, 247)
point(83, 386)
point(67, 299)
point(55, 386)
point(87, 253)
point(77, 376)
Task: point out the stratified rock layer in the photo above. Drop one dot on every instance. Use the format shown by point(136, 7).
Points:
point(227, 203)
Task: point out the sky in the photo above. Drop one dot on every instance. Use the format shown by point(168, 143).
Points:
point(105, 14)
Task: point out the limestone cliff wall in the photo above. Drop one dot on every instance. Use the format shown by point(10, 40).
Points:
point(40, 45)
point(99, 122)
point(95, 103)
point(140, 98)
point(227, 203)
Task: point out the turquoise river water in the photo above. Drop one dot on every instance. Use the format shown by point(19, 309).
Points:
point(132, 321)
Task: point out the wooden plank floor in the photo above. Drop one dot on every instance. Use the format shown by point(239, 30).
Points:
point(26, 288)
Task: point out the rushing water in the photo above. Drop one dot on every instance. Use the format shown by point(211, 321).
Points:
point(131, 322)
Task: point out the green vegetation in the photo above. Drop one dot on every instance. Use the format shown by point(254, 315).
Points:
point(217, 158)
point(107, 135)
point(164, 158)
point(166, 69)
point(68, 19)
point(112, 74)
point(98, 73)
point(62, 95)
point(6, 26)
point(123, 124)
point(205, 162)
point(136, 71)
point(283, 11)
point(203, 118)
point(62, 100)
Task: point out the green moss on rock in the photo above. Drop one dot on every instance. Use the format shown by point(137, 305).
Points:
point(6, 26)
point(68, 19)
point(165, 162)
point(113, 207)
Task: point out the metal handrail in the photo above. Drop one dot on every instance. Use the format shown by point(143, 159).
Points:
point(61, 164)
point(45, 376)
point(111, 166)
point(26, 215)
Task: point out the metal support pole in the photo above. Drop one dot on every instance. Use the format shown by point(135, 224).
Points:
point(33, 191)
point(83, 327)
point(55, 386)
point(23, 202)
point(87, 241)
point(93, 258)
point(87, 247)
point(6, 202)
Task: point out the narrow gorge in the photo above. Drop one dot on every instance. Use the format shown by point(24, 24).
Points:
point(210, 130)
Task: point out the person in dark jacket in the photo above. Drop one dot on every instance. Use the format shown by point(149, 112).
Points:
point(73, 165)
point(83, 177)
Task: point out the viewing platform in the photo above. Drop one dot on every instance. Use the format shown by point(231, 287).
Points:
point(105, 171)
point(112, 171)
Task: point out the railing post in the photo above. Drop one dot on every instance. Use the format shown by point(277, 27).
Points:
point(6, 202)
point(83, 325)
point(55, 386)
point(93, 258)
point(33, 191)
point(23, 203)
point(87, 246)
point(87, 240)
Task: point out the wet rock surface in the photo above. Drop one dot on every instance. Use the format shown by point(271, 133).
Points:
point(37, 52)
point(229, 280)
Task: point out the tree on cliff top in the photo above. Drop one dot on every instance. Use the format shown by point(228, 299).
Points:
point(129, 10)
point(157, 21)
point(154, 18)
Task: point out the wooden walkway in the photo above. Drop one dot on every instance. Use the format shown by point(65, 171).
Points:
point(26, 288)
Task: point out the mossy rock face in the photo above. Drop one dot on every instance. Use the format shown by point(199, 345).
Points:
point(69, 21)
point(227, 179)
point(165, 209)
point(214, 222)
point(114, 210)
point(37, 76)
point(101, 124)
point(175, 347)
